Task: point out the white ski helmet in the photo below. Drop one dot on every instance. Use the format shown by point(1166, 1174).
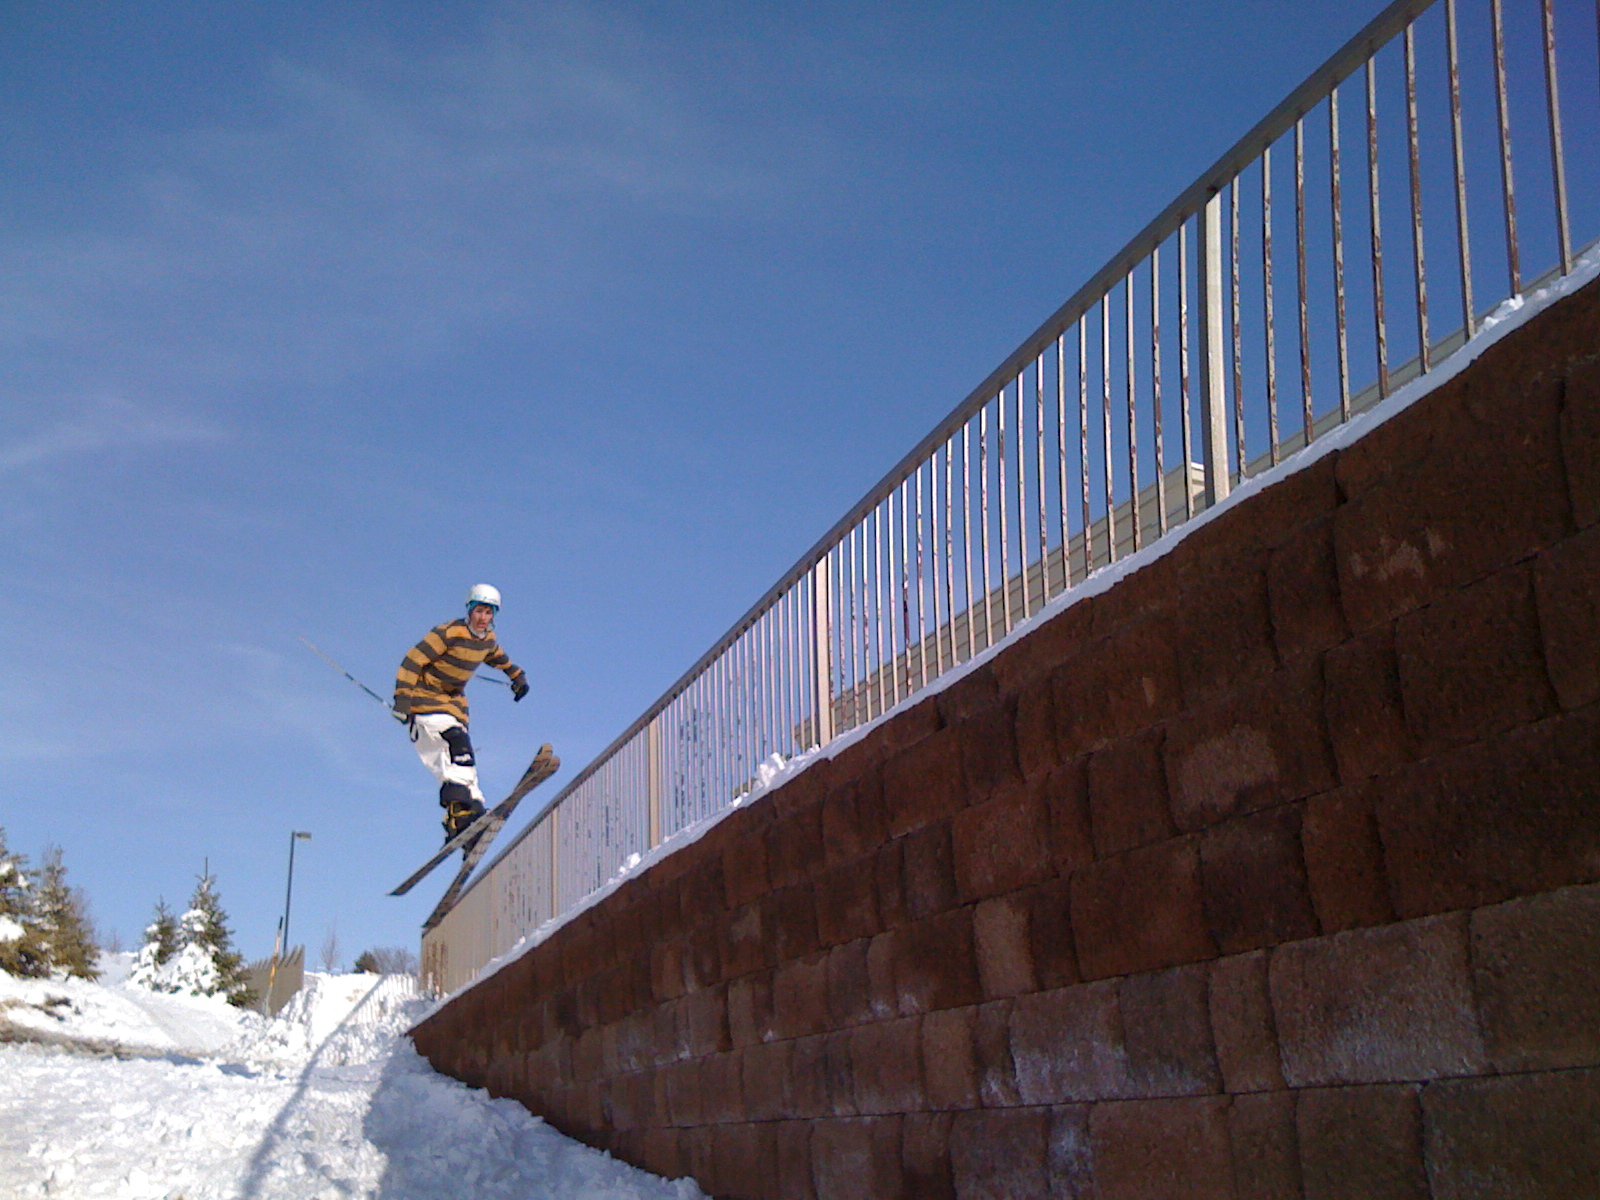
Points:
point(483, 593)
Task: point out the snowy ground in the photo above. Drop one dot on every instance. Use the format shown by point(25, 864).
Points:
point(107, 1090)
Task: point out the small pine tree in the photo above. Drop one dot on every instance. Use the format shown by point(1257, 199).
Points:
point(63, 920)
point(208, 947)
point(387, 960)
point(160, 945)
point(23, 948)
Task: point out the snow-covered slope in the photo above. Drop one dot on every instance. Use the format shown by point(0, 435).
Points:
point(173, 1098)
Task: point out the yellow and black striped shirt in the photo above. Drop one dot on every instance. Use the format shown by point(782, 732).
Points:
point(433, 676)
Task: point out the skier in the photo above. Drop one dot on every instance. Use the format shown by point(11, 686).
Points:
point(430, 696)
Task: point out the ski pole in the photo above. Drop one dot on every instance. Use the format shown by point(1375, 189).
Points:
point(389, 708)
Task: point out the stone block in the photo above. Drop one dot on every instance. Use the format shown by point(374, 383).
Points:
point(1128, 794)
point(770, 1080)
point(925, 1156)
point(924, 783)
point(883, 993)
point(806, 1091)
point(1303, 593)
point(1071, 1153)
point(975, 694)
point(794, 845)
point(1254, 876)
point(705, 1021)
point(1037, 750)
point(1170, 1148)
point(1365, 713)
point(1067, 1045)
point(989, 758)
point(789, 922)
point(930, 873)
point(800, 997)
point(1140, 911)
point(854, 823)
point(683, 1093)
point(1039, 655)
point(1052, 951)
point(1472, 662)
point(1166, 1029)
point(1000, 1155)
point(744, 872)
point(745, 1158)
point(1002, 941)
point(1242, 1026)
point(745, 944)
point(888, 876)
point(886, 1067)
point(1224, 635)
point(1266, 1151)
point(1569, 617)
point(794, 1181)
point(991, 1049)
point(722, 1087)
point(847, 905)
point(1493, 821)
point(1362, 1141)
point(856, 1157)
point(1257, 747)
point(1377, 1005)
point(936, 964)
point(1118, 685)
point(1580, 440)
point(1523, 1137)
point(1536, 975)
point(750, 1014)
point(1344, 860)
point(849, 985)
point(949, 1058)
point(1001, 844)
point(1066, 798)
point(840, 1074)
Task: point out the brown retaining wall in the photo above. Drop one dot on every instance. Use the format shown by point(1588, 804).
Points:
point(1272, 872)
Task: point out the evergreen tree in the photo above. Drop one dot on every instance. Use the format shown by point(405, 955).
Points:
point(160, 945)
point(63, 920)
point(23, 948)
point(208, 965)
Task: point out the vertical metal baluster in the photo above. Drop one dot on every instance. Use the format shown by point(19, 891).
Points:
point(852, 627)
point(1424, 342)
point(1105, 425)
point(1000, 488)
point(869, 631)
point(882, 665)
point(1237, 313)
point(1507, 179)
point(1557, 149)
point(1022, 493)
point(1155, 383)
point(1083, 441)
point(905, 576)
point(1463, 236)
point(949, 544)
point(896, 574)
point(983, 483)
point(933, 560)
point(1044, 525)
point(1381, 325)
point(1300, 273)
point(966, 535)
point(1185, 418)
point(922, 596)
point(1132, 404)
point(1269, 322)
point(1340, 318)
point(1061, 457)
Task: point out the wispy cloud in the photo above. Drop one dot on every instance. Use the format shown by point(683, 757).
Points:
point(106, 424)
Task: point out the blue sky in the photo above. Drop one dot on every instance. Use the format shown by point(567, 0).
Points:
point(315, 315)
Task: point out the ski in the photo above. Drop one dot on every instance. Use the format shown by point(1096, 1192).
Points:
point(483, 830)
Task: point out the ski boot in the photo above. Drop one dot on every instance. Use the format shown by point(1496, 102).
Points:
point(459, 814)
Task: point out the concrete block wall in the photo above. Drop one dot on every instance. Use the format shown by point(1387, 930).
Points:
point(1272, 872)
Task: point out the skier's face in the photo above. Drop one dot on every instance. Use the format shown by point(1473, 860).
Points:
point(479, 619)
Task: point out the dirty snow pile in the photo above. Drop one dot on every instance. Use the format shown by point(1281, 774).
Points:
point(110, 1090)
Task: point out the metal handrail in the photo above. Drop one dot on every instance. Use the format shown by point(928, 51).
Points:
point(840, 638)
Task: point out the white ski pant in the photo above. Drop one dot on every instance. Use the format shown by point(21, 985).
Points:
point(444, 748)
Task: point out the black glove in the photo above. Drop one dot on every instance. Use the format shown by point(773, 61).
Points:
point(519, 689)
point(401, 707)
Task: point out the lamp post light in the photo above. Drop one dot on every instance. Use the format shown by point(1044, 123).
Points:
point(296, 836)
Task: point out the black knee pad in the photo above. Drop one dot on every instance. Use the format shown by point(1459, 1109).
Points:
point(454, 793)
point(460, 746)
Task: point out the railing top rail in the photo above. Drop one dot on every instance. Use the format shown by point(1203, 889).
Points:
point(1349, 58)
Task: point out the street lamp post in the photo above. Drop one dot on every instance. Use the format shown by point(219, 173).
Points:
point(296, 836)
